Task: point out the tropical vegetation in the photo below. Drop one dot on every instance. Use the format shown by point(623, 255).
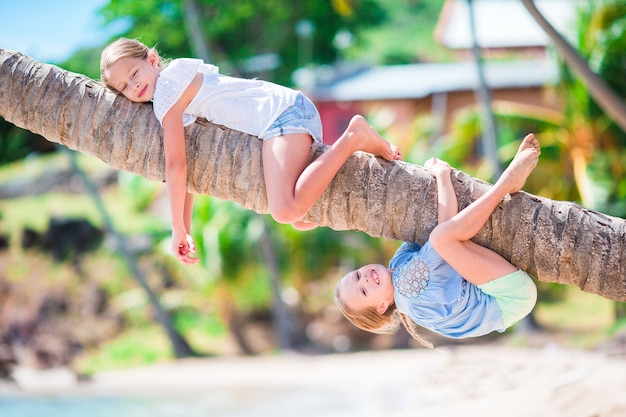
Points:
point(238, 283)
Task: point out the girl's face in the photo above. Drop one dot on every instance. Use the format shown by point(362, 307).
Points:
point(135, 78)
point(367, 287)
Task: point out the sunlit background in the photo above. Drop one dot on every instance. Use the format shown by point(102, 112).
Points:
point(70, 303)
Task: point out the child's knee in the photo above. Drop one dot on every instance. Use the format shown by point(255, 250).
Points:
point(438, 237)
point(281, 217)
point(285, 213)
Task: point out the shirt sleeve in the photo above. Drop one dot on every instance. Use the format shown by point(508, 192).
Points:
point(171, 84)
point(408, 246)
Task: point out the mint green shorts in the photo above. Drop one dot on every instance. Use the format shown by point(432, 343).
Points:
point(515, 293)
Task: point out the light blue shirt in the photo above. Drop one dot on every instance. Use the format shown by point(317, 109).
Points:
point(436, 297)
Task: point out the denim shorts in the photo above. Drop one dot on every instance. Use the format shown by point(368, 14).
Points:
point(301, 117)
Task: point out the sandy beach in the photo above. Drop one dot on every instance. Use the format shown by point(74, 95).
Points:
point(474, 380)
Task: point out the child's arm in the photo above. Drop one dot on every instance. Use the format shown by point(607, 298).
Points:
point(181, 202)
point(188, 212)
point(447, 205)
point(176, 180)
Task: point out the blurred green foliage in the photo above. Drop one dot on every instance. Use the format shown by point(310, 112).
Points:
point(139, 346)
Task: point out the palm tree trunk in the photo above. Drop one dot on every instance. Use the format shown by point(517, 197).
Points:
point(553, 240)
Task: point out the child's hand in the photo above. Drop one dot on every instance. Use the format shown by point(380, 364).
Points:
point(183, 247)
point(437, 167)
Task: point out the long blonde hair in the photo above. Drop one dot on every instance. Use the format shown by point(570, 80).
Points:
point(387, 323)
point(124, 48)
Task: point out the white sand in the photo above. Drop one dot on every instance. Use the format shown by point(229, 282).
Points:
point(478, 380)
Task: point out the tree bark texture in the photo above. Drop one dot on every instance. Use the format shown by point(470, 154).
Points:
point(555, 241)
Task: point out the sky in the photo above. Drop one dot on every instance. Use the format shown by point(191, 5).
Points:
point(51, 31)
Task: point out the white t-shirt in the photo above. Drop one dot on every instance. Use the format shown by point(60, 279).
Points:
point(246, 105)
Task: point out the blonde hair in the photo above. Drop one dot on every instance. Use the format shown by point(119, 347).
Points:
point(387, 323)
point(124, 48)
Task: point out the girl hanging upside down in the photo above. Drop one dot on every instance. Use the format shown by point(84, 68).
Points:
point(451, 285)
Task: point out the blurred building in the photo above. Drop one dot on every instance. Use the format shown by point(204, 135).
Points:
point(518, 69)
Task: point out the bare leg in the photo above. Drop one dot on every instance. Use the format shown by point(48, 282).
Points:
point(293, 185)
point(451, 238)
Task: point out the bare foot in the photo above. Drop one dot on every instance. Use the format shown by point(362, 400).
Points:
point(514, 177)
point(365, 138)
